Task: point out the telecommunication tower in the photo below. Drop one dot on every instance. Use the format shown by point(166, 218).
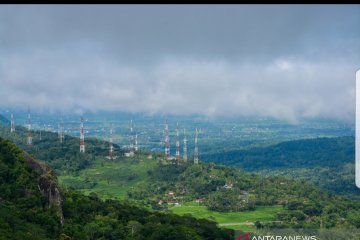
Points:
point(12, 129)
point(177, 154)
point(196, 151)
point(136, 148)
point(111, 147)
point(82, 136)
point(167, 146)
point(29, 137)
point(185, 147)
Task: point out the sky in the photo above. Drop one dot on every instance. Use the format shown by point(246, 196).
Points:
point(281, 61)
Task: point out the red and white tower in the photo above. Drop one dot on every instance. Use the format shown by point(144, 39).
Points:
point(196, 151)
point(111, 147)
point(12, 127)
point(136, 148)
point(177, 154)
point(167, 146)
point(185, 147)
point(29, 137)
point(131, 138)
point(82, 136)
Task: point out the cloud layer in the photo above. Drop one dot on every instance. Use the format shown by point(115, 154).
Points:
point(281, 62)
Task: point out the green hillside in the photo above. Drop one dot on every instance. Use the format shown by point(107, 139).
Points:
point(33, 206)
point(60, 156)
point(177, 188)
point(163, 186)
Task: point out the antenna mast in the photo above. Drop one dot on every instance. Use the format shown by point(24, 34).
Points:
point(111, 148)
point(131, 139)
point(177, 154)
point(29, 137)
point(185, 147)
point(136, 142)
point(167, 147)
point(82, 136)
point(196, 152)
point(12, 129)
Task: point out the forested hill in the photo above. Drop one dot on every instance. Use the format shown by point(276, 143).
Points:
point(327, 162)
point(33, 206)
point(318, 152)
point(47, 147)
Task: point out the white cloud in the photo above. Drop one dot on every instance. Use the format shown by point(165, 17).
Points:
point(282, 88)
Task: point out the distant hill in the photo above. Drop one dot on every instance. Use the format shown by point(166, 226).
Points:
point(33, 206)
point(327, 162)
point(318, 152)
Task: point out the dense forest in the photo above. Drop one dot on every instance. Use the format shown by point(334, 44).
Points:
point(28, 209)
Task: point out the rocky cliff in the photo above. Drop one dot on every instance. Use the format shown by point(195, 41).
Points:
point(47, 184)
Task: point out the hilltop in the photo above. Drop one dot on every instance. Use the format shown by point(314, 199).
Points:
point(60, 156)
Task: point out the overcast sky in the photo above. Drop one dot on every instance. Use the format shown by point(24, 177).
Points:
point(280, 61)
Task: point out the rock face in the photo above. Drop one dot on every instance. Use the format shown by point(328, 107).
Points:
point(47, 184)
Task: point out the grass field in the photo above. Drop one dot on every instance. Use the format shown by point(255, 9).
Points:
point(110, 179)
point(235, 220)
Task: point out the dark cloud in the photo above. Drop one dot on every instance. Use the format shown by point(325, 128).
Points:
point(281, 61)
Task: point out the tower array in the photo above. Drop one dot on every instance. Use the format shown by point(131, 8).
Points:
point(29, 136)
point(167, 146)
point(185, 147)
point(82, 136)
point(133, 142)
point(12, 127)
point(196, 151)
point(177, 154)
